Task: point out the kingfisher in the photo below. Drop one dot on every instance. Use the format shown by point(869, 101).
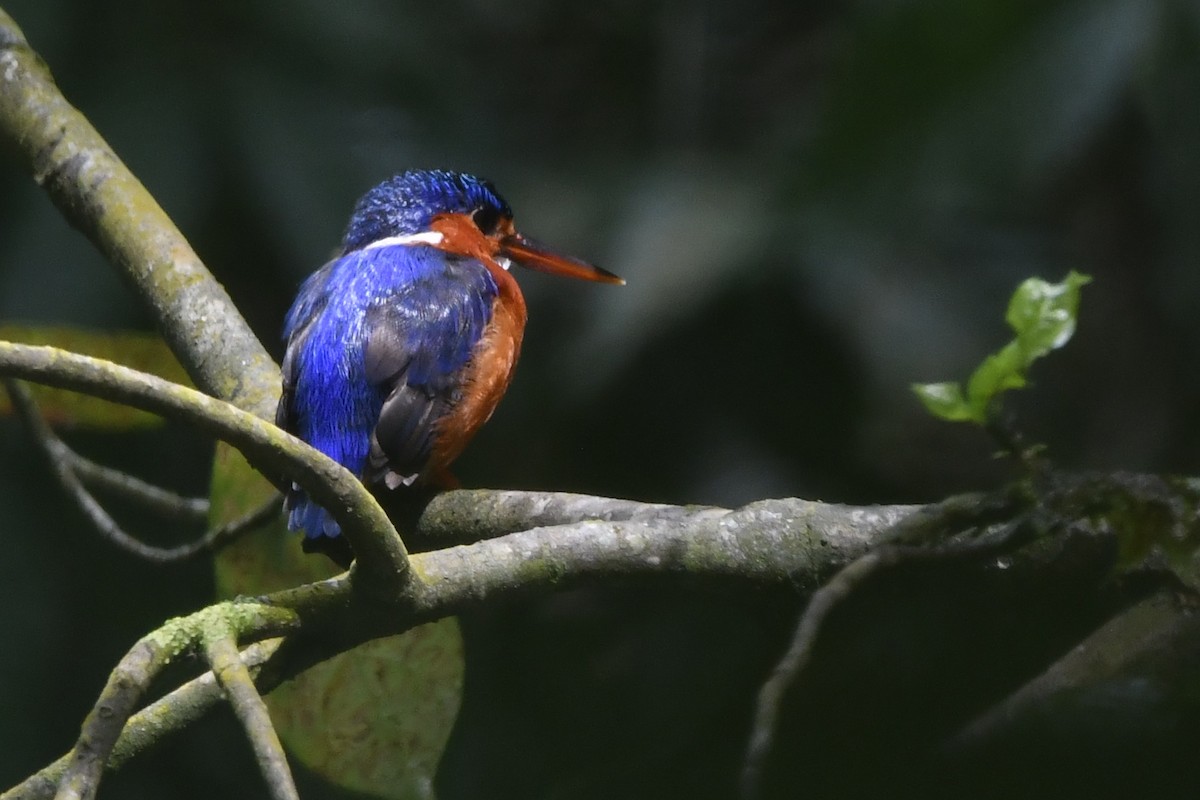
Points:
point(400, 348)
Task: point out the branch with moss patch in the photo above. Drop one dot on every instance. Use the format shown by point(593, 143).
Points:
point(779, 541)
point(150, 726)
point(144, 661)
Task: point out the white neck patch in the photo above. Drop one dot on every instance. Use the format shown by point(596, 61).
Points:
point(425, 237)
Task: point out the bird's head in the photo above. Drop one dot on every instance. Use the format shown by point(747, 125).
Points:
point(460, 214)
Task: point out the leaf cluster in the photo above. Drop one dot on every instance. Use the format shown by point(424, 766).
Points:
point(1043, 316)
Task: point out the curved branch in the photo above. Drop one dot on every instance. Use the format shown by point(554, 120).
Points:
point(74, 472)
point(63, 463)
point(154, 499)
point(170, 714)
point(235, 679)
point(98, 194)
point(103, 725)
point(794, 541)
point(823, 602)
point(144, 661)
point(383, 558)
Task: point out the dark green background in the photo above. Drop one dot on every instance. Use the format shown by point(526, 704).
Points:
point(814, 204)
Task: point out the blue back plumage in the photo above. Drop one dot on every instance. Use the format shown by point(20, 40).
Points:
point(384, 331)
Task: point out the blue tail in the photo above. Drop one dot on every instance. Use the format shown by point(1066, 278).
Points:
point(305, 515)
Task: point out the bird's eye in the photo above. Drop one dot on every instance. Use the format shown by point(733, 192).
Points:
point(486, 219)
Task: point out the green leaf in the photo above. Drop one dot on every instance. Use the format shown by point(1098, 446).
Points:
point(999, 372)
point(1043, 315)
point(945, 401)
point(143, 351)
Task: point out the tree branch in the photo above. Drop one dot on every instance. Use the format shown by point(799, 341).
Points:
point(64, 462)
point(823, 602)
point(235, 679)
point(97, 193)
point(793, 541)
point(73, 471)
point(1158, 631)
point(103, 725)
point(772, 541)
point(155, 499)
point(141, 664)
point(469, 515)
point(150, 726)
point(383, 559)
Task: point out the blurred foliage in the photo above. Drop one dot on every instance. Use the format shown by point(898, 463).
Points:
point(1043, 315)
point(813, 203)
point(142, 351)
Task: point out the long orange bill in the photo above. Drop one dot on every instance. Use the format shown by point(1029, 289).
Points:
point(536, 256)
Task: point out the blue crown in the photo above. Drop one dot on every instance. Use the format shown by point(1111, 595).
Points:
point(406, 204)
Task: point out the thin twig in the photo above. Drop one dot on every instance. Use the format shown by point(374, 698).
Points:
point(934, 523)
point(218, 537)
point(65, 463)
point(238, 685)
point(798, 656)
point(382, 558)
point(155, 499)
point(55, 451)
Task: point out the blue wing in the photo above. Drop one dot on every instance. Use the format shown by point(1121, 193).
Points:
point(377, 343)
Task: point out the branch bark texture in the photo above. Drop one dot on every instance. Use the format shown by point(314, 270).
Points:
point(98, 194)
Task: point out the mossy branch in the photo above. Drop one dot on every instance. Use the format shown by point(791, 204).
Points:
point(165, 716)
point(98, 194)
point(144, 661)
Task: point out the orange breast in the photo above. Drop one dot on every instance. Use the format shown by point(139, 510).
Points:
point(487, 375)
